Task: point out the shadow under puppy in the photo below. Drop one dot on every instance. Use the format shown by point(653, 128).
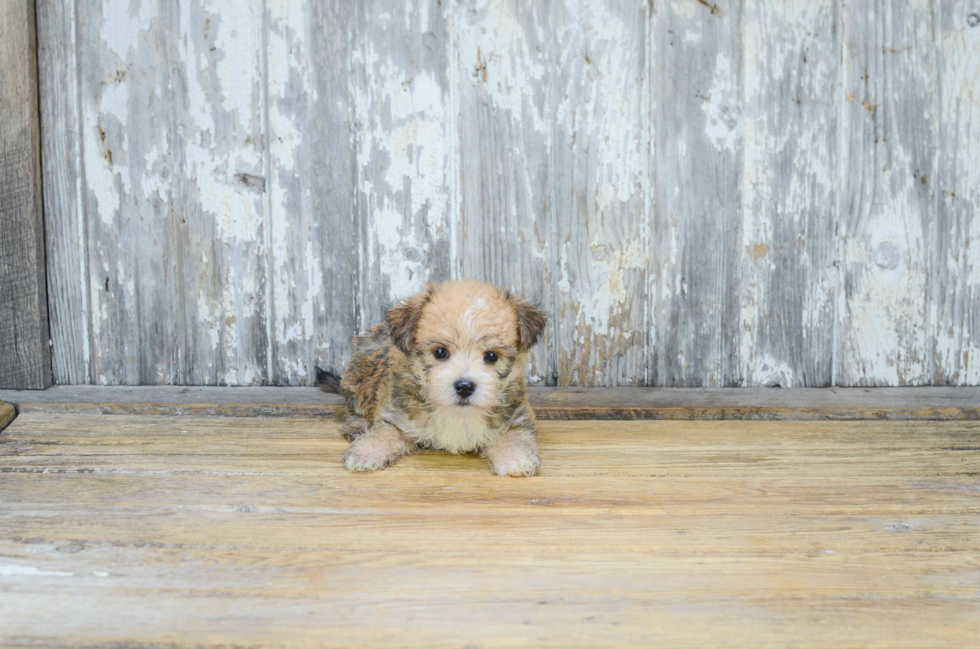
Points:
point(445, 371)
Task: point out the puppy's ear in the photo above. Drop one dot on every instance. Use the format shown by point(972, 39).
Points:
point(530, 322)
point(403, 318)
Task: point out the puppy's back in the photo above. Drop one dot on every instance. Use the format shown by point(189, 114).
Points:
point(366, 380)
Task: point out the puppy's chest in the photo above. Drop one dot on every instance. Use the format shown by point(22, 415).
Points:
point(457, 430)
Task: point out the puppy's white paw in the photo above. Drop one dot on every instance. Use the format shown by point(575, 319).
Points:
point(365, 455)
point(516, 463)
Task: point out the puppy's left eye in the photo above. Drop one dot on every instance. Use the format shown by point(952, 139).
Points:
point(490, 357)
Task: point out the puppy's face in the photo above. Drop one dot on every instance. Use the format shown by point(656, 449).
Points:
point(466, 341)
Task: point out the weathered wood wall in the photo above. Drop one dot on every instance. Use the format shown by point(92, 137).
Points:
point(25, 356)
point(740, 192)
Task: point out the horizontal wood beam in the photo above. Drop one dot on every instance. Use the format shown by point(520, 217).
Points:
point(799, 404)
point(25, 359)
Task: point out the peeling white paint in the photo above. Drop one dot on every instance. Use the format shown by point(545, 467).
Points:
point(509, 76)
point(609, 295)
point(956, 317)
point(768, 373)
point(124, 24)
point(887, 256)
point(404, 158)
point(29, 571)
point(788, 181)
point(721, 106)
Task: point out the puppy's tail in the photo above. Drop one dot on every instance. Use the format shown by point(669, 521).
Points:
point(328, 381)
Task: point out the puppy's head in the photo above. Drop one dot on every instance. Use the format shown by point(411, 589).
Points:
point(466, 340)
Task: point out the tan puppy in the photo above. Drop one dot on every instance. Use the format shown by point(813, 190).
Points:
point(445, 371)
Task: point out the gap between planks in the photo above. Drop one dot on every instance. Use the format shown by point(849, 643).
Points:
point(796, 404)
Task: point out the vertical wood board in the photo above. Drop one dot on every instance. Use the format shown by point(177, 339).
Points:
point(887, 217)
point(25, 360)
point(789, 245)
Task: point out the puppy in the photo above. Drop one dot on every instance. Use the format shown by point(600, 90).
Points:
point(445, 371)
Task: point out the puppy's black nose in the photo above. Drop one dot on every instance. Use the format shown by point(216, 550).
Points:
point(464, 388)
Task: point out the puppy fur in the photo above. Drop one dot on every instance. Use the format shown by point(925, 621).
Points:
point(403, 384)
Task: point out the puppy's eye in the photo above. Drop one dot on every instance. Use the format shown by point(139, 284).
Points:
point(441, 353)
point(490, 357)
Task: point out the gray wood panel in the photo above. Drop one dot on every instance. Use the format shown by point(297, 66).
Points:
point(600, 131)
point(405, 143)
point(66, 231)
point(788, 250)
point(506, 232)
point(697, 233)
point(128, 135)
point(25, 360)
point(745, 192)
point(314, 267)
point(955, 292)
point(888, 202)
point(220, 216)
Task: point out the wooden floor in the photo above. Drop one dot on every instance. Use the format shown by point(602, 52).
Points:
point(189, 531)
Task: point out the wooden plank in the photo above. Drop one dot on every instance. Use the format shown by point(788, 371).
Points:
point(452, 479)
point(600, 131)
point(240, 531)
point(405, 143)
point(506, 235)
point(26, 357)
point(221, 217)
point(72, 443)
point(130, 203)
point(63, 174)
point(888, 206)
point(800, 404)
point(315, 236)
point(955, 291)
point(696, 178)
point(789, 245)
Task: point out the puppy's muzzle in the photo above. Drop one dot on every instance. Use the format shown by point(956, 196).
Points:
point(464, 388)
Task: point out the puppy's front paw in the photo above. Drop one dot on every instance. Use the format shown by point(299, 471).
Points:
point(365, 455)
point(517, 463)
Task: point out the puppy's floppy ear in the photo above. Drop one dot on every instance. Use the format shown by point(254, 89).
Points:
point(530, 321)
point(403, 318)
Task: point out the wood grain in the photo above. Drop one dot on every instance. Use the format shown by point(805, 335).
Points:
point(697, 184)
point(250, 531)
point(130, 202)
point(955, 289)
point(888, 196)
point(506, 232)
point(25, 358)
point(66, 231)
point(314, 273)
point(789, 244)
point(600, 130)
point(405, 144)
point(221, 217)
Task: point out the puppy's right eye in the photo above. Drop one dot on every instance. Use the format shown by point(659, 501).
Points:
point(441, 353)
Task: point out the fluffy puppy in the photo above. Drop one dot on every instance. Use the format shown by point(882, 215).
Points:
point(445, 371)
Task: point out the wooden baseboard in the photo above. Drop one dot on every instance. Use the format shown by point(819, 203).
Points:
point(799, 404)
